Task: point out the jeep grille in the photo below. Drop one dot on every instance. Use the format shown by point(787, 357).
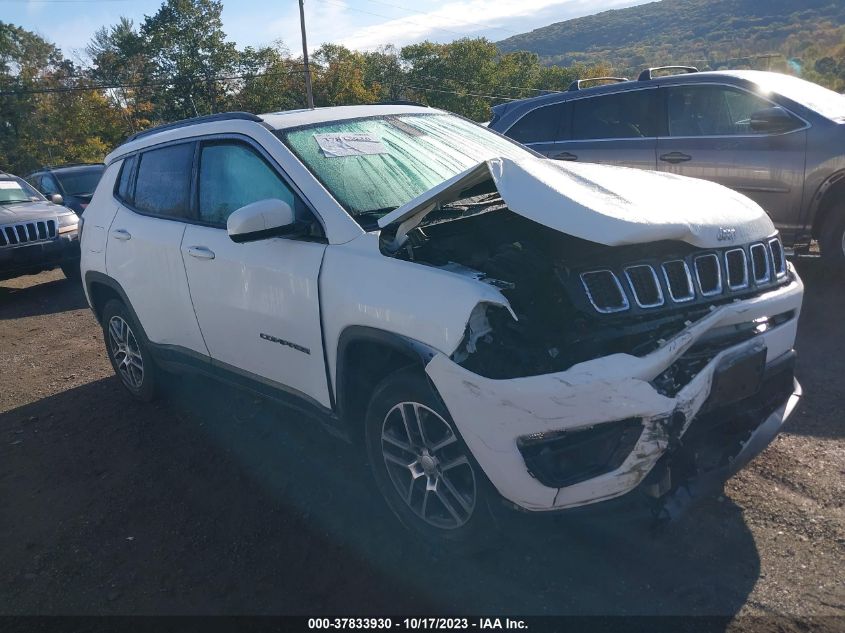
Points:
point(27, 232)
point(699, 277)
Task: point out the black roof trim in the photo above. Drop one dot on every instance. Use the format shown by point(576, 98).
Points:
point(646, 75)
point(52, 167)
point(576, 85)
point(208, 118)
point(405, 102)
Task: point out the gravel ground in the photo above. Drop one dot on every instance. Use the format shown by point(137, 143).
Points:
point(213, 502)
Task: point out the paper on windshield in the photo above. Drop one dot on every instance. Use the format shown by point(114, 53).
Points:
point(349, 144)
point(9, 184)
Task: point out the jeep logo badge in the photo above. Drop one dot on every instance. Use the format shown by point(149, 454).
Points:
point(726, 234)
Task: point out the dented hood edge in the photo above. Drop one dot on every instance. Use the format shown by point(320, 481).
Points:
point(603, 204)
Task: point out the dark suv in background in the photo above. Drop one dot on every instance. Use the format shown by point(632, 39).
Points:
point(778, 139)
point(73, 184)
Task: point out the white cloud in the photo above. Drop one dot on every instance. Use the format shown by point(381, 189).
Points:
point(497, 19)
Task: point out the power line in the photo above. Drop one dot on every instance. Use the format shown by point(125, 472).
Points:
point(147, 84)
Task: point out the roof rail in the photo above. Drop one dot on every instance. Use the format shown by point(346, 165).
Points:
point(576, 85)
point(646, 75)
point(208, 118)
point(402, 102)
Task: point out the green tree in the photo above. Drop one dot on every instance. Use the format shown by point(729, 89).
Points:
point(189, 53)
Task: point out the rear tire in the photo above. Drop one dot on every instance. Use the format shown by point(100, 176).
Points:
point(129, 352)
point(832, 238)
point(423, 468)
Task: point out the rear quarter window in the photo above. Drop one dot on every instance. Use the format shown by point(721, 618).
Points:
point(124, 189)
point(544, 124)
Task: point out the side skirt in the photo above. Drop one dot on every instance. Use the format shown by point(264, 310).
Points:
point(178, 359)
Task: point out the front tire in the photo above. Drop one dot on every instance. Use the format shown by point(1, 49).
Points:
point(422, 467)
point(129, 353)
point(832, 238)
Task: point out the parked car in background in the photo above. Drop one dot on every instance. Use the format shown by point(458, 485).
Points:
point(491, 328)
point(35, 234)
point(69, 185)
point(778, 139)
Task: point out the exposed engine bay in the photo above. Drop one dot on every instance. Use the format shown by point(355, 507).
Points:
point(540, 271)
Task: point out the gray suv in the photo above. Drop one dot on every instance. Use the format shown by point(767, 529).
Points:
point(35, 234)
point(778, 139)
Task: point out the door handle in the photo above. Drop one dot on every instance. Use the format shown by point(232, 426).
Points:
point(200, 252)
point(565, 156)
point(675, 157)
point(121, 234)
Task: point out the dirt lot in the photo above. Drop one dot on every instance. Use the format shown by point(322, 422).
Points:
point(213, 502)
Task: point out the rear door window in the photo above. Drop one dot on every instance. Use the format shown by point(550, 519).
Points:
point(163, 184)
point(631, 114)
point(543, 125)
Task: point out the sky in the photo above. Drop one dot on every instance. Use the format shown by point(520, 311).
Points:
point(358, 24)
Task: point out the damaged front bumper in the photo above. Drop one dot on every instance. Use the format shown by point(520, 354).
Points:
point(608, 411)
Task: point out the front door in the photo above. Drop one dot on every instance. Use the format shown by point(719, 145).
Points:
point(709, 136)
point(257, 303)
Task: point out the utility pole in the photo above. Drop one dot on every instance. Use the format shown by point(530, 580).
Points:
point(308, 90)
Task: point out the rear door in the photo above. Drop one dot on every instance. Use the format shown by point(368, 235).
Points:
point(619, 128)
point(543, 128)
point(143, 245)
point(708, 135)
point(257, 302)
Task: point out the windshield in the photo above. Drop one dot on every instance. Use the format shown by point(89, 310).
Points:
point(827, 103)
point(80, 182)
point(16, 190)
point(374, 165)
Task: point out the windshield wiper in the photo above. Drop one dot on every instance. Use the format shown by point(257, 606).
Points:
point(369, 219)
point(13, 201)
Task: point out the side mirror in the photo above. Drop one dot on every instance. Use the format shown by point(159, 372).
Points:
point(266, 218)
point(772, 120)
point(56, 198)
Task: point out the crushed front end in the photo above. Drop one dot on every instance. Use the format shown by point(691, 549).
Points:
point(649, 366)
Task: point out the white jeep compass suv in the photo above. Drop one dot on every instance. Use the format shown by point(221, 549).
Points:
point(493, 328)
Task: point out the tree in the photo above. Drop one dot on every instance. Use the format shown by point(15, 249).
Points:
point(187, 48)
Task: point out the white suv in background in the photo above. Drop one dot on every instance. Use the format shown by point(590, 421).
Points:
point(493, 328)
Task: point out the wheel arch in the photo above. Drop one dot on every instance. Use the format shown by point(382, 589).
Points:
point(365, 356)
point(101, 289)
point(829, 193)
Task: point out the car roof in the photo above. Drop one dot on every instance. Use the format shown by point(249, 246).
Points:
point(512, 109)
point(71, 167)
point(189, 128)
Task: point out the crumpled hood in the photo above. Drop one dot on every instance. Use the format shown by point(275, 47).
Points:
point(25, 211)
point(603, 204)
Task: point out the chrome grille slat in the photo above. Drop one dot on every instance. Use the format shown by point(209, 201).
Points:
point(760, 267)
point(644, 285)
point(23, 233)
point(710, 280)
point(778, 257)
point(678, 280)
point(736, 266)
point(603, 287)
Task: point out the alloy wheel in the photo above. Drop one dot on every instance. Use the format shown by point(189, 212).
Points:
point(126, 352)
point(427, 465)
